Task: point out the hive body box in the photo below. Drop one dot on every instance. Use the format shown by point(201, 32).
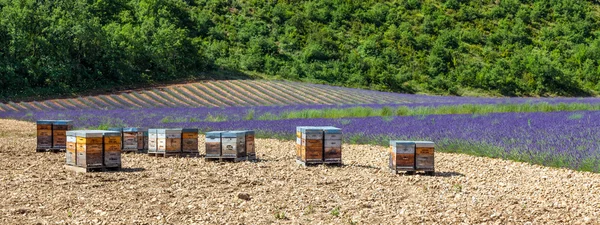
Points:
point(213, 144)
point(173, 141)
point(71, 153)
point(112, 149)
point(189, 139)
point(312, 145)
point(250, 147)
point(152, 141)
point(142, 139)
point(44, 134)
point(59, 133)
point(332, 145)
point(424, 156)
point(233, 144)
point(130, 139)
point(89, 148)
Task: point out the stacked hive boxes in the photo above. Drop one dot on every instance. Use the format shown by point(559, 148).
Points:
point(142, 139)
point(52, 134)
point(316, 145)
point(152, 138)
point(233, 145)
point(213, 144)
point(44, 134)
point(250, 148)
point(173, 141)
point(161, 140)
point(94, 149)
point(189, 141)
point(412, 156)
point(130, 139)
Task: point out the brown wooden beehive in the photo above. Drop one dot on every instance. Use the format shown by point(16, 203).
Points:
point(112, 149)
point(424, 156)
point(59, 133)
point(173, 141)
point(332, 138)
point(189, 139)
point(130, 139)
point(250, 146)
point(44, 134)
point(142, 139)
point(89, 148)
point(213, 144)
point(402, 156)
point(312, 145)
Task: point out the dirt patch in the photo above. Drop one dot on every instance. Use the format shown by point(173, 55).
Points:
point(466, 189)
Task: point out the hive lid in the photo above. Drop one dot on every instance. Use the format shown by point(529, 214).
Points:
point(332, 130)
point(112, 134)
point(213, 134)
point(91, 133)
point(143, 129)
point(45, 121)
point(62, 122)
point(425, 144)
point(115, 129)
point(251, 132)
point(74, 132)
point(396, 142)
point(130, 129)
point(236, 133)
point(190, 130)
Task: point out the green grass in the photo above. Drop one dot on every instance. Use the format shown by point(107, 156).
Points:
point(476, 110)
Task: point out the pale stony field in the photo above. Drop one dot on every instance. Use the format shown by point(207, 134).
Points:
point(469, 190)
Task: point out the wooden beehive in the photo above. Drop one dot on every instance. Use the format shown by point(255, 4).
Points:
point(189, 139)
point(59, 133)
point(332, 145)
point(112, 149)
point(402, 155)
point(233, 144)
point(424, 156)
point(250, 147)
point(299, 143)
point(89, 148)
point(312, 145)
point(44, 134)
point(152, 137)
point(173, 140)
point(142, 139)
point(71, 153)
point(161, 140)
point(130, 139)
point(213, 144)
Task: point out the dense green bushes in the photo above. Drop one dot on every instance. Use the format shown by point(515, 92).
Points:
point(508, 47)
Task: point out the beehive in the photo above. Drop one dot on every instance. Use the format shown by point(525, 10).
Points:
point(173, 140)
point(152, 137)
point(213, 144)
point(59, 133)
point(189, 139)
point(112, 149)
point(333, 145)
point(44, 134)
point(89, 148)
point(130, 139)
point(161, 140)
point(299, 143)
point(71, 153)
point(312, 145)
point(233, 144)
point(402, 155)
point(250, 147)
point(424, 156)
point(142, 139)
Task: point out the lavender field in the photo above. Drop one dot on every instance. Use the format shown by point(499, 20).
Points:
point(559, 132)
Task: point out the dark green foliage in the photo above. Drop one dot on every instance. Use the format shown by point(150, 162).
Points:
point(508, 47)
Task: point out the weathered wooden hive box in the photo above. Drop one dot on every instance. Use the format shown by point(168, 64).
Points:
point(89, 148)
point(173, 140)
point(233, 144)
point(44, 134)
point(189, 140)
point(312, 145)
point(213, 144)
point(59, 133)
point(333, 145)
point(424, 156)
point(142, 139)
point(152, 138)
point(130, 139)
point(112, 149)
point(299, 143)
point(250, 146)
point(402, 156)
point(71, 153)
point(161, 140)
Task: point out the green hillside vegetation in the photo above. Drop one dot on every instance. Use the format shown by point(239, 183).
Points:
point(457, 47)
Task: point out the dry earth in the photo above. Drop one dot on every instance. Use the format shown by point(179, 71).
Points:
point(36, 189)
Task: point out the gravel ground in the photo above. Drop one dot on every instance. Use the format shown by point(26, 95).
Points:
point(466, 189)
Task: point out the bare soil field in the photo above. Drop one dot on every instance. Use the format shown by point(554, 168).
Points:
point(36, 189)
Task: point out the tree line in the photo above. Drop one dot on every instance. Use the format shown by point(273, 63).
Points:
point(456, 47)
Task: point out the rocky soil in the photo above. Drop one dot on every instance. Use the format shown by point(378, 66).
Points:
point(37, 189)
